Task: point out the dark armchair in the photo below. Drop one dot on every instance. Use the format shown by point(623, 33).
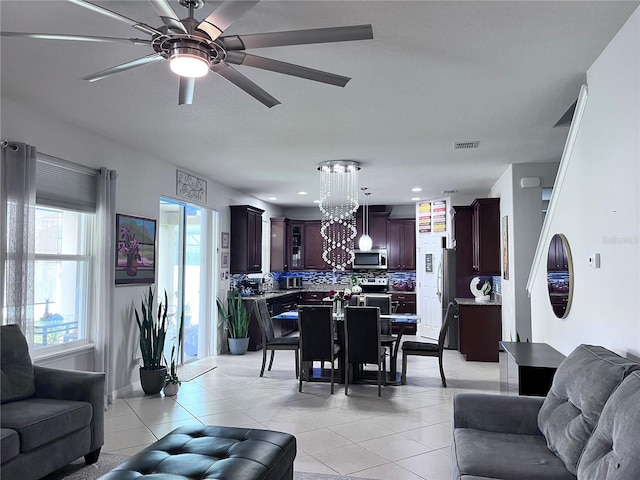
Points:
point(49, 417)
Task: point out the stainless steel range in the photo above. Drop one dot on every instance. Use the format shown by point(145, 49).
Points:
point(374, 285)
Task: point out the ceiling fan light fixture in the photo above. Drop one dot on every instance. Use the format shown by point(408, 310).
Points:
point(189, 62)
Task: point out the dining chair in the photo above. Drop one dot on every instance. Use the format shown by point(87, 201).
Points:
point(429, 349)
point(317, 339)
point(269, 339)
point(384, 303)
point(363, 342)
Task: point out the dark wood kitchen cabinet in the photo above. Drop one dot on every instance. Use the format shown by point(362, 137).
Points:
point(279, 258)
point(377, 228)
point(401, 244)
point(406, 304)
point(313, 247)
point(479, 330)
point(485, 227)
point(246, 239)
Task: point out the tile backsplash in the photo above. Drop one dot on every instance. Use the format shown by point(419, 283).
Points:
point(404, 281)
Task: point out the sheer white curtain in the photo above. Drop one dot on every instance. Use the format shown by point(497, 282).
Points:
point(104, 249)
point(19, 185)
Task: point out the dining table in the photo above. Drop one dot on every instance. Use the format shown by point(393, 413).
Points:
point(400, 320)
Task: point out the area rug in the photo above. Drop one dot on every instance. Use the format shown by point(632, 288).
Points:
point(189, 372)
point(79, 471)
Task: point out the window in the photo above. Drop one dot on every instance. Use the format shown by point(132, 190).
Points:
point(56, 289)
point(61, 276)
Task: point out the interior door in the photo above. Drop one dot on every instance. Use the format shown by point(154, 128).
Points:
point(430, 285)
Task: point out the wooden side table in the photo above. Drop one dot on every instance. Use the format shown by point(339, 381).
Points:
point(527, 368)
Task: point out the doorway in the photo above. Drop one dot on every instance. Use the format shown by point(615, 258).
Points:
point(429, 292)
point(182, 273)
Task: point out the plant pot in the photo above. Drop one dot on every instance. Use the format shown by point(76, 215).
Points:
point(238, 346)
point(171, 389)
point(152, 381)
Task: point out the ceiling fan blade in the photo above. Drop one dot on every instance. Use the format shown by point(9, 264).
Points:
point(298, 37)
point(168, 15)
point(223, 16)
point(154, 57)
point(241, 58)
point(77, 38)
point(245, 84)
point(104, 11)
point(187, 87)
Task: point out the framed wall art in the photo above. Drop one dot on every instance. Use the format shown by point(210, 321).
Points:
point(225, 240)
point(191, 187)
point(135, 250)
point(224, 260)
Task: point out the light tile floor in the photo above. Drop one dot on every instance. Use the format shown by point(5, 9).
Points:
point(404, 435)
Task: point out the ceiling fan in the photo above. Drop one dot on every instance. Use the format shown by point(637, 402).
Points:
point(195, 47)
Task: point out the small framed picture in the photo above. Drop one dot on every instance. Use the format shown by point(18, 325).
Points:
point(225, 240)
point(224, 260)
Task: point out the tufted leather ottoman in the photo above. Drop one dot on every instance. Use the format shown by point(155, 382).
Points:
point(210, 452)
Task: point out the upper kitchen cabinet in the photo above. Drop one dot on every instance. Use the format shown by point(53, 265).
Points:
point(296, 247)
point(377, 227)
point(485, 228)
point(279, 245)
point(401, 244)
point(313, 247)
point(557, 260)
point(246, 239)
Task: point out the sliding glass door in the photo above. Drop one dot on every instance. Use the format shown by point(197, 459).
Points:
point(182, 272)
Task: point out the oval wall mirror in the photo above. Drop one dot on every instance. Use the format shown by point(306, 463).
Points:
point(560, 275)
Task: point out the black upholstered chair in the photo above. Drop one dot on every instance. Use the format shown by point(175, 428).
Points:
point(429, 349)
point(317, 339)
point(363, 342)
point(383, 302)
point(269, 340)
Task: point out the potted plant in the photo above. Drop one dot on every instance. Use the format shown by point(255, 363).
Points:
point(171, 381)
point(235, 318)
point(153, 331)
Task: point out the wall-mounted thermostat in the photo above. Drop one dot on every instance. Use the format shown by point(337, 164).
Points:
point(594, 260)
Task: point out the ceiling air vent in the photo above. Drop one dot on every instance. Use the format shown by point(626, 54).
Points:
point(465, 145)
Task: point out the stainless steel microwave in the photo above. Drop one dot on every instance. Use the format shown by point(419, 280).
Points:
point(370, 260)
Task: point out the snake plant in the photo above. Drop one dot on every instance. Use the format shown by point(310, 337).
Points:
point(234, 315)
point(153, 331)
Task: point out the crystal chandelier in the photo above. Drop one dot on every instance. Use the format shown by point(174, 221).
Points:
point(338, 202)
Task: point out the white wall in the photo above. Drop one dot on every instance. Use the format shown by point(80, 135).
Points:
point(142, 180)
point(597, 208)
point(523, 208)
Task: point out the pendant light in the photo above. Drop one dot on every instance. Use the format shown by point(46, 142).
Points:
point(365, 243)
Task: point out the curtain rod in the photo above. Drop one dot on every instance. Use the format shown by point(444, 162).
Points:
point(5, 143)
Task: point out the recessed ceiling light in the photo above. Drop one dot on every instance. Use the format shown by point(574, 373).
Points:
point(416, 189)
point(415, 198)
point(272, 198)
point(302, 193)
point(316, 201)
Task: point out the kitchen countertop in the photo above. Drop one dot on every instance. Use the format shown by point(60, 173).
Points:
point(281, 293)
point(472, 301)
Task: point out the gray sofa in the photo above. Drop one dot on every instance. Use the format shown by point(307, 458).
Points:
point(49, 417)
point(587, 427)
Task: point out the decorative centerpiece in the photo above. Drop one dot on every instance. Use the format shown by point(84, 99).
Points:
point(340, 299)
point(356, 289)
point(481, 294)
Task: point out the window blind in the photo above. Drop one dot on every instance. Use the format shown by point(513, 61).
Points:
point(64, 184)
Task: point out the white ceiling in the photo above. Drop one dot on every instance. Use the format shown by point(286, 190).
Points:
point(435, 73)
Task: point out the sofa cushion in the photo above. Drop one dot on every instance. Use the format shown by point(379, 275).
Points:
point(16, 377)
point(42, 420)
point(581, 386)
point(10, 445)
point(613, 450)
point(479, 453)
